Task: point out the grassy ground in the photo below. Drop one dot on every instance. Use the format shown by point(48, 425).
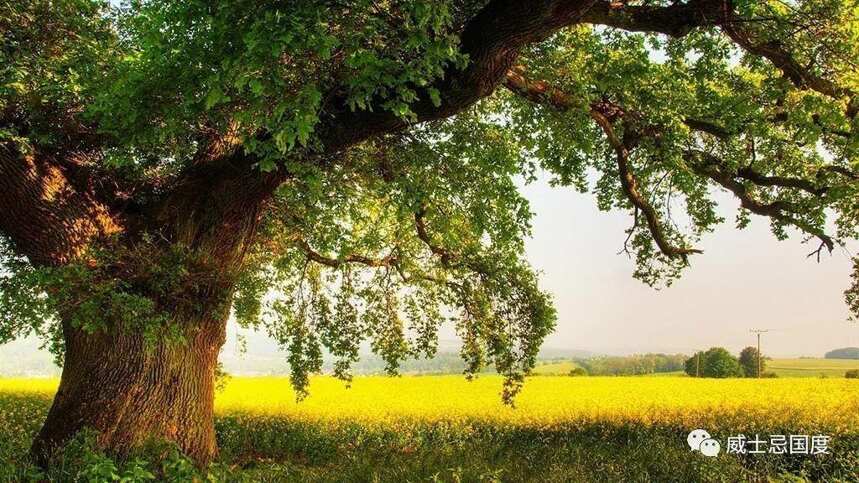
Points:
point(782, 367)
point(560, 368)
point(442, 428)
point(811, 367)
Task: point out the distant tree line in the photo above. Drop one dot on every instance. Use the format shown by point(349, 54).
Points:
point(445, 362)
point(719, 362)
point(843, 353)
point(634, 365)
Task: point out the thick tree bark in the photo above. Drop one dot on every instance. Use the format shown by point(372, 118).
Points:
point(130, 394)
point(128, 391)
point(112, 381)
point(43, 213)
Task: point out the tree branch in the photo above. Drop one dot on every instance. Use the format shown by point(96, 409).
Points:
point(602, 113)
point(541, 92)
point(387, 261)
point(774, 51)
point(708, 127)
point(491, 40)
point(712, 167)
point(605, 112)
point(840, 170)
point(630, 187)
point(445, 255)
point(674, 20)
point(679, 19)
point(781, 181)
point(41, 211)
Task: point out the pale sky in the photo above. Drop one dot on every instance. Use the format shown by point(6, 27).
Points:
point(745, 279)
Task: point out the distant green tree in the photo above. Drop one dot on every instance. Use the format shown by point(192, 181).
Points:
point(716, 362)
point(749, 362)
point(578, 371)
point(720, 363)
point(633, 365)
point(669, 362)
point(843, 353)
point(694, 365)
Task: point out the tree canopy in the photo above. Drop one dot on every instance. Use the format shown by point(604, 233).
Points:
point(367, 156)
point(715, 362)
point(843, 353)
point(752, 363)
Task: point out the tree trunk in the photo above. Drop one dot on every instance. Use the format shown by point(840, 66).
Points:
point(130, 393)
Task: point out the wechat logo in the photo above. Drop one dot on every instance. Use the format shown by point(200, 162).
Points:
point(700, 440)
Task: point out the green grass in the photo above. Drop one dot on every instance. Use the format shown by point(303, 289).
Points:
point(668, 374)
point(811, 367)
point(555, 368)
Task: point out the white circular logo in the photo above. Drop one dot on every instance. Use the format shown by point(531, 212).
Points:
point(710, 447)
point(696, 437)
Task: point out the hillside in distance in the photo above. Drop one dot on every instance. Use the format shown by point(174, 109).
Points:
point(26, 358)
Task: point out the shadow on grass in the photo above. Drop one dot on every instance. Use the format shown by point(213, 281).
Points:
point(272, 448)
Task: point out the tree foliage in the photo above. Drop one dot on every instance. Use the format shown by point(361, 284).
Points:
point(749, 360)
point(843, 353)
point(715, 362)
point(634, 365)
point(379, 148)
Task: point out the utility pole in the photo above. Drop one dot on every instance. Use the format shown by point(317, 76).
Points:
point(759, 332)
point(698, 364)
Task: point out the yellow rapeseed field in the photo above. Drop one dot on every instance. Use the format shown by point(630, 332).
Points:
point(678, 401)
point(831, 403)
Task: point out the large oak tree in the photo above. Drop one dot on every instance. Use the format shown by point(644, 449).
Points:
point(346, 172)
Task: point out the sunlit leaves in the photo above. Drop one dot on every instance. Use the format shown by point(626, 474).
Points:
point(852, 293)
point(460, 175)
point(265, 68)
point(24, 308)
point(49, 53)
